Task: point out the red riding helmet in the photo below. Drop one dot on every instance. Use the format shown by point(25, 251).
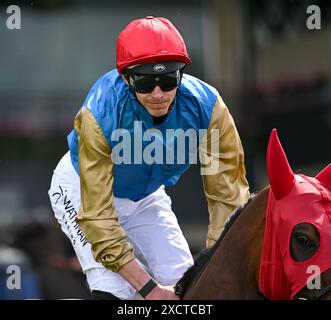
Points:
point(149, 40)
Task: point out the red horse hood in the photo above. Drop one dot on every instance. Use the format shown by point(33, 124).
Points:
point(293, 199)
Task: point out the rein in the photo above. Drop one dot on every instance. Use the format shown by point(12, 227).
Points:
point(322, 292)
point(319, 295)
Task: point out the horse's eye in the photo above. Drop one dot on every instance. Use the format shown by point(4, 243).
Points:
point(303, 240)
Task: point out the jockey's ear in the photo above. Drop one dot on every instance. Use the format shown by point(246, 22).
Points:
point(324, 177)
point(124, 78)
point(281, 176)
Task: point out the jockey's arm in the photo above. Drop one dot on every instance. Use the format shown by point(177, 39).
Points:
point(97, 216)
point(224, 179)
point(137, 277)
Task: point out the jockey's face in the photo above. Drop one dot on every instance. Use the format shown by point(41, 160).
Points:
point(157, 102)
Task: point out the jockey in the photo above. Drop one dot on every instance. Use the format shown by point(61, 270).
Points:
point(130, 141)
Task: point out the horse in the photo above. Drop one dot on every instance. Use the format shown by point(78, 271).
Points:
point(276, 246)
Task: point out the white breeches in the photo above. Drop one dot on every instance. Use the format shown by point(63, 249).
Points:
point(150, 226)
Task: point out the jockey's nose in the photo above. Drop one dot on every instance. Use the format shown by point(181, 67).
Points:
point(157, 93)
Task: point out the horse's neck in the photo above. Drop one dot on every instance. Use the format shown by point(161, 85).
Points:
point(232, 272)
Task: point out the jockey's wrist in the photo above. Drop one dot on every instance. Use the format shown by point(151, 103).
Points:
point(147, 288)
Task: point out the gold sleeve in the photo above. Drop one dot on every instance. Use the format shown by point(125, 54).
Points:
point(225, 184)
point(97, 217)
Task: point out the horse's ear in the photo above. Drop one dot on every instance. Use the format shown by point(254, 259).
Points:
point(281, 176)
point(324, 177)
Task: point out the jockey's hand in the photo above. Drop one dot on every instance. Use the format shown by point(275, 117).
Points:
point(162, 293)
point(137, 277)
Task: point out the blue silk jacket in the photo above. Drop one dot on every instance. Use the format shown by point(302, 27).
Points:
point(112, 119)
point(114, 107)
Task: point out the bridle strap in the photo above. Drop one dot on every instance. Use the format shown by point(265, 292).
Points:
point(317, 294)
point(321, 292)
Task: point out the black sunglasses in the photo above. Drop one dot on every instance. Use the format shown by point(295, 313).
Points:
point(145, 83)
